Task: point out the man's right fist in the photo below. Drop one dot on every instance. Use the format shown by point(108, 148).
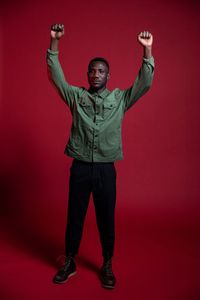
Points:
point(57, 31)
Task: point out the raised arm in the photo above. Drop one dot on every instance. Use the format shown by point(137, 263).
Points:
point(145, 76)
point(55, 72)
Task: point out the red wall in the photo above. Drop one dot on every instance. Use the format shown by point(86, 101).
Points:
point(158, 179)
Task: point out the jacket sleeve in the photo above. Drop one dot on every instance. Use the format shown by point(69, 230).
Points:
point(55, 73)
point(141, 84)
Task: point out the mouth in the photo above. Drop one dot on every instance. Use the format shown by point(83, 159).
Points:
point(96, 82)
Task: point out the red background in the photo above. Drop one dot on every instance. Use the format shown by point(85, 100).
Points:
point(157, 214)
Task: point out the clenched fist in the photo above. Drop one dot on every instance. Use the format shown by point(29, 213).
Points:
point(145, 38)
point(57, 31)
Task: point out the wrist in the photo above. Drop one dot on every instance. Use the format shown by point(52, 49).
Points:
point(147, 51)
point(54, 44)
point(54, 39)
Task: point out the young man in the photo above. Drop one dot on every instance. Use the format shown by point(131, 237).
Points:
point(95, 143)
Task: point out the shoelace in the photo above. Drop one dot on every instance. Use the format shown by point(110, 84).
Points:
point(64, 261)
point(67, 262)
point(108, 267)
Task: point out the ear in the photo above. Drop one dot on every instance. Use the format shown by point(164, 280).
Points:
point(108, 76)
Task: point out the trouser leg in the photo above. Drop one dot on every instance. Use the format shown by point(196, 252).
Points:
point(104, 196)
point(78, 200)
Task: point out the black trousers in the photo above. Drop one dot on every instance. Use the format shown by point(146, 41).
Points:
point(100, 180)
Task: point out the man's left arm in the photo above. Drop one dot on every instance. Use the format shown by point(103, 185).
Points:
point(144, 78)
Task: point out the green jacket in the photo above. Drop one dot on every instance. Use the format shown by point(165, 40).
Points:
point(97, 118)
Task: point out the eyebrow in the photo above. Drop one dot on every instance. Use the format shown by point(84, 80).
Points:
point(92, 68)
point(96, 69)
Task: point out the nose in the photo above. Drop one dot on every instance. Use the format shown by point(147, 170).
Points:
point(96, 74)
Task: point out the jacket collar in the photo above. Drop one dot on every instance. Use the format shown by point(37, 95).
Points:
point(103, 94)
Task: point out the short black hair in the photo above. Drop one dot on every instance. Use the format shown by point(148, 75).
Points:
point(100, 59)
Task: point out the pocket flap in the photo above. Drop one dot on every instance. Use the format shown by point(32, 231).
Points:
point(110, 105)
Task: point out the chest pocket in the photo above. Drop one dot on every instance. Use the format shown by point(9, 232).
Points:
point(109, 108)
point(86, 106)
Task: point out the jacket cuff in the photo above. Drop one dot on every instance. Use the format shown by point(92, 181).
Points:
point(52, 52)
point(149, 60)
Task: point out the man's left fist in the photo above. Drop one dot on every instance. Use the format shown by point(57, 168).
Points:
point(145, 38)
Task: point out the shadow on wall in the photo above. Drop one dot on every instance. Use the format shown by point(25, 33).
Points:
point(23, 217)
point(25, 221)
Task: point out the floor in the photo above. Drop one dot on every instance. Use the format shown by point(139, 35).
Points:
point(155, 259)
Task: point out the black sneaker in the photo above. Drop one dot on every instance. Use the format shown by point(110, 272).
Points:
point(107, 277)
point(68, 270)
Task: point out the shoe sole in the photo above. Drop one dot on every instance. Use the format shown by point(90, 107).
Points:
point(111, 287)
point(60, 282)
point(108, 287)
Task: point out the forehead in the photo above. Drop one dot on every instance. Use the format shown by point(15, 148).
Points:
point(97, 65)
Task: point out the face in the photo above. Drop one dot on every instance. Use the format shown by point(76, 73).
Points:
point(98, 76)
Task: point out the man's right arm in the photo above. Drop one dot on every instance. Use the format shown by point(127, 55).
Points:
point(56, 75)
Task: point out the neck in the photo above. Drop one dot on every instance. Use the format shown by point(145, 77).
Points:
point(98, 91)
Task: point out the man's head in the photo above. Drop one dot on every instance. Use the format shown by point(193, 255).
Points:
point(98, 73)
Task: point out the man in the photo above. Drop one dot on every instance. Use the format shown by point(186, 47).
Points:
point(95, 143)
